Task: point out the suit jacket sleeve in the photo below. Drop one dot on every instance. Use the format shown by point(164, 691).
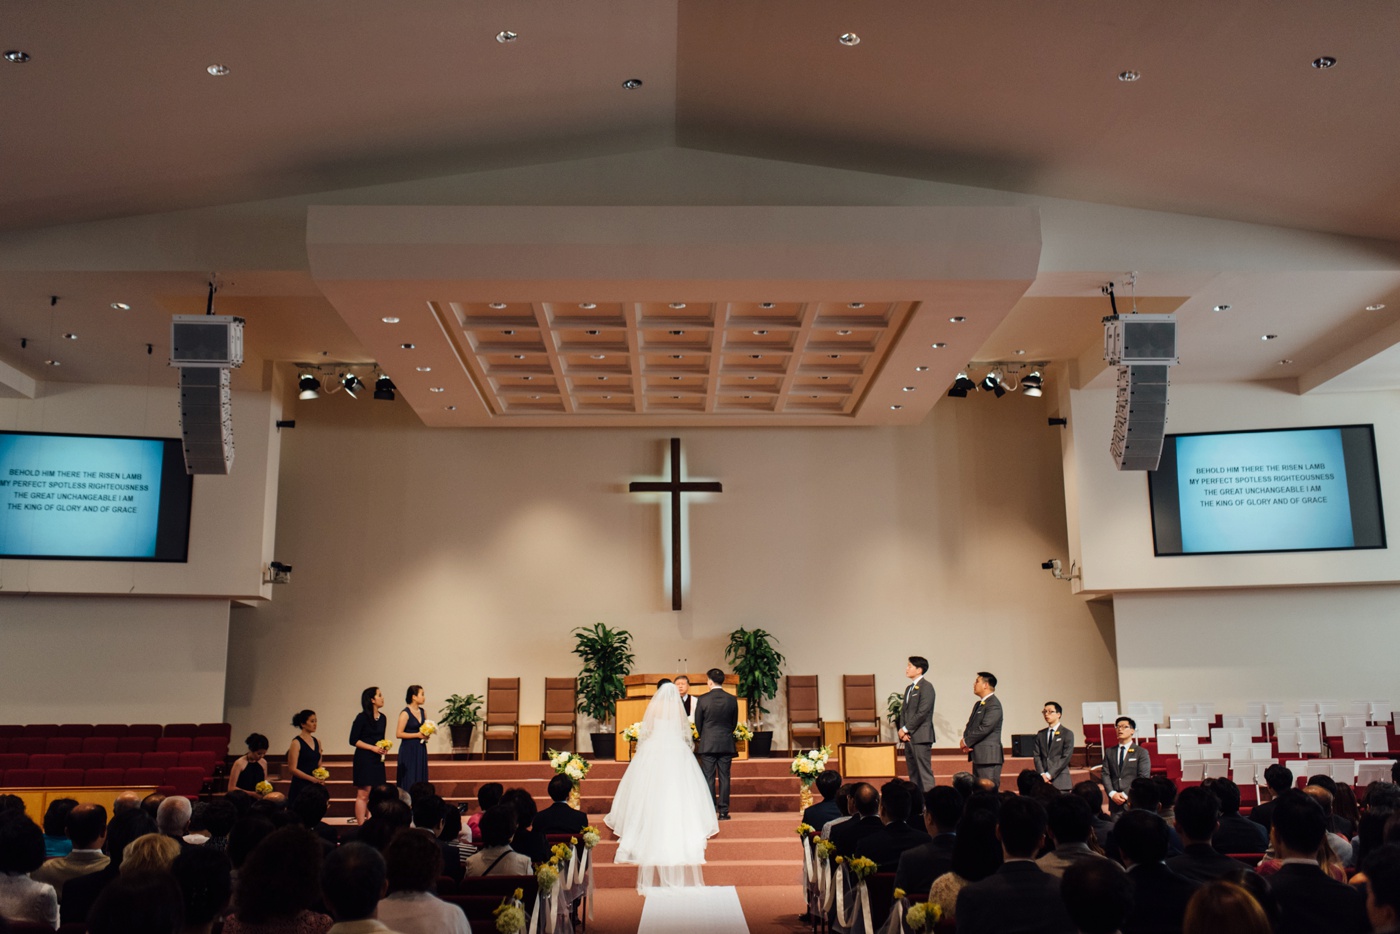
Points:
point(1040, 755)
point(988, 724)
point(700, 706)
point(1144, 763)
point(919, 711)
point(1060, 761)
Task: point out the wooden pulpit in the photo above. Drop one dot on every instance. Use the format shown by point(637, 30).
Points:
point(641, 688)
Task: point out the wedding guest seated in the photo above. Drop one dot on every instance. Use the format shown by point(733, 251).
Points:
point(916, 802)
point(81, 892)
point(843, 805)
point(865, 805)
point(1308, 899)
point(206, 882)
point(310, 809)
point(496, 858)
point(56, 842)
point(173, 817)
point(1224, 906)
point(454, 834)
point(828, 783)
point(965, 784)
point(152, 852)
point(219, 817)
point(126, 801)
point(246, 834)
point(198, 832)
point(1166, 798)
point(976, 855)
point(527, 839)
point(886, 844)
point(1382, 870)
point(418, 790)
point(1142, 796)
point(1098, 896)
point(428, 814)
point(1335, 822)
point(1071, 826)
point(559, 817)
point(385, 819)
point(151, 804)
point(487, 796)
point(278, 886)
point(1159, 895)
point(1279, 778)
point(146, 902)
point(919, 866)
point(414, 862)
point(87, 831)
point(1197, 817)
point(1091, 794)
point(22, 852)
point(1341, 847)
point(1018, 897)
point(353, 881)
point(1236, 834)
point(1382, 801)
point(11, 803)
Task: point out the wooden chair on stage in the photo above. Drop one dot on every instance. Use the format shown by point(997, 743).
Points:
point(862, 714)
point(502, 717)
point(804, 719)
point(559, 729)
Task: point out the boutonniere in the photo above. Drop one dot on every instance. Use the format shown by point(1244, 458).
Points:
point(1131, 749)
point(981, 703)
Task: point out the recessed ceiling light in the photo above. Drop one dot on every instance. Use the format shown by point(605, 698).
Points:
point(601, 378)
point(607, 397)
point(16, 56)
point(920, 369)
point(588, 306)
point(677, 356)
point(53, 363)
point(748, 397)
point(527, 378)
point(677, 333)
point(437, 389)
point(70, 336)
point(823, 377)
point(1221, 308)
point(1129, 75)
point(849, 38)
point(534, 397)
point(1019, 353)
point(121, 306)
point(896, 407)
point(1378, 306)
point(505, 35)
point(908, 388)
point(1284, 362)
point(855, 304)
point(218, 71)
point(450, 408)
point(675, 377)
point(766, 305)
point(678, 305)
point(389, 319)
point(406, 346)
point(1324, 61)
point(1269, 337)
point(597, 356)
point(816, 397)
point(750, 377)
point(844, 332)
point(425, 369)
point(592, 332)
point(756, 356)
point(834, 356)
point(519, 356)
point(675, 397)
point(508, 333)
point(632, 84)
point(938, 345)
point(760, 333)
point(498, 305)
point(957, 319)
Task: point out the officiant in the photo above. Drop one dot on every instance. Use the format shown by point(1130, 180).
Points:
point(683, 686)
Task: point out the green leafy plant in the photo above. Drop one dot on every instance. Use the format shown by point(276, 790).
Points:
point(607, 659)
point(758, 665)
point(459, 710)
point(894, 706)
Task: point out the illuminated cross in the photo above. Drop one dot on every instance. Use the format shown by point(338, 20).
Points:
point(675, 486)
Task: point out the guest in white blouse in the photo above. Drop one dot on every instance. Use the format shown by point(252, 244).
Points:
point(22, 852)
point(496, 858)
point(414, 862)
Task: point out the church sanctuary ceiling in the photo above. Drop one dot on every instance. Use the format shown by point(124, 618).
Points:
point(469, 169)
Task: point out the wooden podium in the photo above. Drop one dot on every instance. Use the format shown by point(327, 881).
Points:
point(641, 688)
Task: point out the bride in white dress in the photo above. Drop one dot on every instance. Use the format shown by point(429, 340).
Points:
point(663, 813)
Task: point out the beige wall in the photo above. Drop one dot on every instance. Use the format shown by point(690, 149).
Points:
point(444, 557)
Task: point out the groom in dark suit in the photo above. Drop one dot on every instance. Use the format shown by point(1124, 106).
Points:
point(716, 716)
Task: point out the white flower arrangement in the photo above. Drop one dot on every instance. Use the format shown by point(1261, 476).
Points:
point(806, 765)
point(632, 733)
point(427, 729)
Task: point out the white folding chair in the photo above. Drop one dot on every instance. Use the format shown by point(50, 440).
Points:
point(1373, 770)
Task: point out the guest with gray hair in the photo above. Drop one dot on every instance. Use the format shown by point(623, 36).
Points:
point(173, 817)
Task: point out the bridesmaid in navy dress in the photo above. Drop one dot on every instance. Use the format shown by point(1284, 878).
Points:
point(304, 756)
point(367, 730)
point(248, 770)
point(413, 749)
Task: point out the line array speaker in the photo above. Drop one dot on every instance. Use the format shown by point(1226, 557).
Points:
point(206, 420)
point(1140, 420)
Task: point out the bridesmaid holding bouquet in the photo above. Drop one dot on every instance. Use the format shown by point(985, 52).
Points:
point(413, 744)
point(367, 738)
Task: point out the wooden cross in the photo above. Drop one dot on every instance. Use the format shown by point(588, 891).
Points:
point(675, 486)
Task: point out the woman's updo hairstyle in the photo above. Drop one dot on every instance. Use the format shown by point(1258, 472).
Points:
point(300, 717)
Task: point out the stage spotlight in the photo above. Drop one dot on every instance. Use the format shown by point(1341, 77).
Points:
point(310, 387)
point(1032, 384)
point(352, 383)
point(994, 382)
point(961, 386)
point(384, 389)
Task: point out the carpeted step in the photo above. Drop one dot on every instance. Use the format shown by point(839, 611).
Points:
point(725, 849)
point(737, 872)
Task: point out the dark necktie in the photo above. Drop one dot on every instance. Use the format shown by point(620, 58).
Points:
point(1122, 753)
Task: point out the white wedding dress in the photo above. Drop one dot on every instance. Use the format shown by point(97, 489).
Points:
point(662, 813)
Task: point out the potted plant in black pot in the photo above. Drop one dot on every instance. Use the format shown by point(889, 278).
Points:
point(461, 715)
point(758, 666)
point(607, 659)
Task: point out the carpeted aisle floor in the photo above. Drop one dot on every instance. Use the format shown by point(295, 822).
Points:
point(768, 909)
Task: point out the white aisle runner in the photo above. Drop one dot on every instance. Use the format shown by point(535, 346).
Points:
point(711, 909)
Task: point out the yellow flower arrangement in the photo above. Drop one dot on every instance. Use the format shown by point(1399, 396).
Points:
point(519, 894)
point(694, 733)
point(825, 848)
point(807, 765)
point(320, 773)
point(862, 868)
point(263, 788)
point(569, 763)
point(545, 877)
point(922, 916)
point(804, 829)
point(742, 733)
point(562, 851)
point(899, 893)
point(510, 919)
point(427, 729)
point(632, 733)
point(590, 837)
point(385, 745)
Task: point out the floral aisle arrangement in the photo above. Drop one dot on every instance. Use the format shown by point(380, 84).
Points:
point(589, 836)
point(510, 916)
point(857, 911)
point(807, 766)
point(575, 767)
point(923, 916)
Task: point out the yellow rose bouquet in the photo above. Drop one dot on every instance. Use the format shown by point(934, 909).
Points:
point(320, 773)
point(742, 733)
point(805, 829)
point(384, 746)
point(922, 916)
point(562, 852)
point(861, 868)
point(427, 729)
point(263, 788)
point(632, 733)
point(807, 765)
point(571, 764)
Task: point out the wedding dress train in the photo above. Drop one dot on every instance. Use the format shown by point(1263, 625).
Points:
point(663, 813)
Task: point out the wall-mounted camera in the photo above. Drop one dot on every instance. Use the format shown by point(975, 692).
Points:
point(277, 573)
point(1056, 570)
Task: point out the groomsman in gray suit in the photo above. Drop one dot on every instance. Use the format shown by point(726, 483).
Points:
point(982, 738)
point(1053, 747)
point(1123, 763)
point(916, 723)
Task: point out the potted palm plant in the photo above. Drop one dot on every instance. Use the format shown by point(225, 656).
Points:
point(607, 659)
point(758, 666)
point(461, 715)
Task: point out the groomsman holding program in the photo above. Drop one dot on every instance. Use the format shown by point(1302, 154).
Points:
point(916, 723)
point(982, 738)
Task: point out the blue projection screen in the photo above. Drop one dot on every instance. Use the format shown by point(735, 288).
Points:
point(93, 497)
point(1297, 489)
